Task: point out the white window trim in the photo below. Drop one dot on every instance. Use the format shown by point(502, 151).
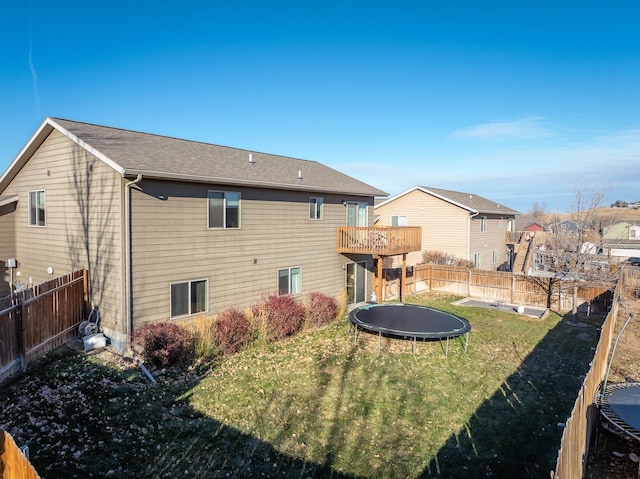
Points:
point(483, 224)
point(363, 207)
point(189, 282)
point(36, 225)
point(496, 256)
point(224, 211)
point(400, 223)
point(477, 260)
point(320, 216)
point(289, 278)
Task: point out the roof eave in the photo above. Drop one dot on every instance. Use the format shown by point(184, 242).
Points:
point(7, 200)
point(251, 183)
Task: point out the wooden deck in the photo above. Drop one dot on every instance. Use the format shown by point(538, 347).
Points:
point(379, 241)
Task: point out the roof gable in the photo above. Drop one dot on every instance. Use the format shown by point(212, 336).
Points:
point(470, 202)
point(133, 153)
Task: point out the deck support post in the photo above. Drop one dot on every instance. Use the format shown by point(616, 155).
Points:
point(403, 283)
point(379, 286)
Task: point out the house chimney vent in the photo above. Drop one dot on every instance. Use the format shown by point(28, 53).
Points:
point(251, 160)
point(299, 174)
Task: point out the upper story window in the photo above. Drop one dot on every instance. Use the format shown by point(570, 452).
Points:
point(224, 209)
point(315, 208)
point(495, 256)
point(36, 208)
point(483, 224)
point(398, 221)
point(290, 280)
point(357, 214)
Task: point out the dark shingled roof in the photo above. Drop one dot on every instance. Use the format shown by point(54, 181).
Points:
point(471, 202)
point(157, 156)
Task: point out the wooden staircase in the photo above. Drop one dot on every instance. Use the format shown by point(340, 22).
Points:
point(522, 263)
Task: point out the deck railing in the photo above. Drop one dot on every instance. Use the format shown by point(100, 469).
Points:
point(380, 241)
point(513, 237)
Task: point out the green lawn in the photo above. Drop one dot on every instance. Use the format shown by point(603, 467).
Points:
point(320, 405)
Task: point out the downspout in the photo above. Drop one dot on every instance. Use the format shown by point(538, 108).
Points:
point(128, 270)
point(469, 234)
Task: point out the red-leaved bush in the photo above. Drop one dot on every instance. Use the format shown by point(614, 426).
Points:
point(232, 330)
point(284, 316)
point(161, 344)
point(321, 309)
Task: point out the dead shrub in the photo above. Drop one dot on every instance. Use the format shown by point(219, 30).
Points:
point(161, 344)
point(232, 330)
point(283, 316)
point(321, 309)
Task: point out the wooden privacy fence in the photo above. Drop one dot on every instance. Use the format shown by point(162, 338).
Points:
point(37, 320)
point(578, 430)
point(499, 286)
point(13, 464)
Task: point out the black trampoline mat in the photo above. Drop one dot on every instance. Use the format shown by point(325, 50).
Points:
point(409, 320)
point(625, 403)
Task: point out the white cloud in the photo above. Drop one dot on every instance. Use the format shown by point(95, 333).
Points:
point(527, 128)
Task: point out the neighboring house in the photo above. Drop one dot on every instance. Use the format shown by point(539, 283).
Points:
point(170, 228)
point(565, 227)
point(527, 223)
point(623, 230)
point(634, 205)
point(464, 225)
point(621, 250)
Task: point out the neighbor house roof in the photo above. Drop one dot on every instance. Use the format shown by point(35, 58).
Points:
point(471, 202)
point(133, 153)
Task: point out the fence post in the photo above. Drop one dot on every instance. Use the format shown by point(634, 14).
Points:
point(469, 283)
point(22, 335)
point(85, 286)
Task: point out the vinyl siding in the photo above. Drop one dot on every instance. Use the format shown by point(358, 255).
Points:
point(7, 245)
point(82, 229)
point(444, 226)
point(172, 243)
point(486, 242)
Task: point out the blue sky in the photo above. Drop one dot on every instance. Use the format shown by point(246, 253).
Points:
point(518, 102)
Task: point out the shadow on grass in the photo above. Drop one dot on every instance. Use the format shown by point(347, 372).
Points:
point(81, 419)
point(510, 434)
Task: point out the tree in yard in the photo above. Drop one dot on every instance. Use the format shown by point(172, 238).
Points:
point(539, 212)
point(573, 251)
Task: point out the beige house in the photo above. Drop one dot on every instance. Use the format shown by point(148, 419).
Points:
point(463, 225)
point(170, 228)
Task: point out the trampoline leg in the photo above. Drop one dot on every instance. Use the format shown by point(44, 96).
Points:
point(414, 347)
point(446, 354)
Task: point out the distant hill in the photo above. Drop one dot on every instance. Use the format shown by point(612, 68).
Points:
point(610, 215)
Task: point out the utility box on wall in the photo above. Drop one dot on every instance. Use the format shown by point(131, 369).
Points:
point(12, 263)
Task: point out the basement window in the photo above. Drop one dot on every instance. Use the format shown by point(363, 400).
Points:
point(290, 280)
point(189, 297)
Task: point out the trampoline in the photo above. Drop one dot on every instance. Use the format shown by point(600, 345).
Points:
point(620, 406)
point(408, 321)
